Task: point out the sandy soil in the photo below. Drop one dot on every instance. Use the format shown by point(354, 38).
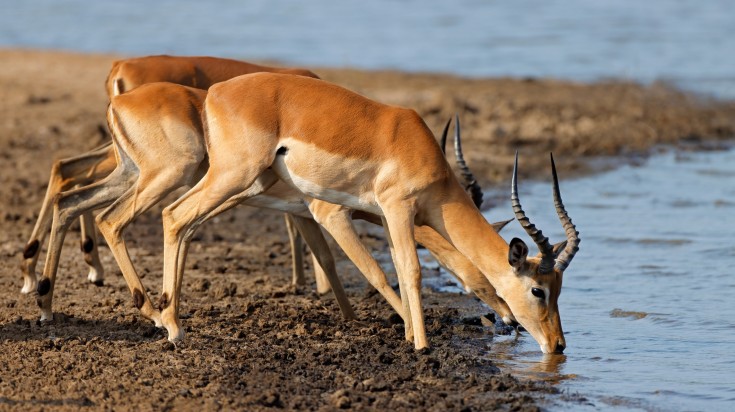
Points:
point(253, 341)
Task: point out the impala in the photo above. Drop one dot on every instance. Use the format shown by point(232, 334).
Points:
point(337, 146)
point(157, 135)
point(159, 147)
point(126, 75)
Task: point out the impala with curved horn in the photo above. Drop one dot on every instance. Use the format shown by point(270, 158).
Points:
point(163, 121)
point(372, 157)
point(548, 265)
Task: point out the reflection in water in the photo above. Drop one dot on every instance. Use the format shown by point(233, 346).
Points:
point(511, 354)
point(550, 365)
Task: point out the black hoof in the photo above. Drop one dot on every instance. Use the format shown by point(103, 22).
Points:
point(99, 283)
point(44, 286)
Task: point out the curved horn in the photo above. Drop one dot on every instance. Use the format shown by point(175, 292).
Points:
point(547, 253)
point(471, 185)
point(444, 137)
point(566, 256)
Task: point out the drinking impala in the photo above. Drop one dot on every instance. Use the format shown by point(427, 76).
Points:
point(337, 146)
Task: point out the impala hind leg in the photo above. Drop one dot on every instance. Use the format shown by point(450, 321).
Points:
point(149, 190)
point(338, 222)
point(67, 207)
point(65, 174)
point(320, 250)
point(214, 194)
point(322, 280)
point(399, 225)
point(297, 260)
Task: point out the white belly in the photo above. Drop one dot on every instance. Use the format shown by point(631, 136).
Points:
point(328, 177)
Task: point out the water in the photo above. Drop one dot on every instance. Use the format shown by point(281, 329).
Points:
point(688, 42)
point(648, 304)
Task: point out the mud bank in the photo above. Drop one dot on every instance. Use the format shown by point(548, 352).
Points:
point(253, 341)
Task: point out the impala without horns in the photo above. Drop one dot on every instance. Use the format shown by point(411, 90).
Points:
point(374, 158)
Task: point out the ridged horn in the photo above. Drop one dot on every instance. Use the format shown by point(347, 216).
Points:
point(444, 137)
point(470, 183)
point(572, 246)
point(547, 251)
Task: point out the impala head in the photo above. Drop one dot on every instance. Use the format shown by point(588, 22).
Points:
point(533, 289)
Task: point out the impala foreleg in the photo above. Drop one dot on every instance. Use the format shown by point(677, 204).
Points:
point(463, 269)
point(320, 250)
point(67, 207)
point(337, 221)
point(322, 281)
point(399, 226)
point(297, 260)
point(65, 174)
point(403, 289)
point(297, 255)
point(89, 246)
point(214, 194)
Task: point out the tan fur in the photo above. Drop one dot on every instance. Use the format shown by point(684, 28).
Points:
point(126, 75)
point(200, 72)
point(159, 147)
point(157, 134)
point(403, 175)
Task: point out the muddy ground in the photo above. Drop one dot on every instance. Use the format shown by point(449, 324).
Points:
point(253, 341)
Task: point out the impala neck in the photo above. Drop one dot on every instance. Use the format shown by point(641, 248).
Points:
point(469, 232)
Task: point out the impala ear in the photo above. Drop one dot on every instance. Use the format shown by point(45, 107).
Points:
point(517, 253)
point(118, 87)
point(498, 226)
point(558, 248)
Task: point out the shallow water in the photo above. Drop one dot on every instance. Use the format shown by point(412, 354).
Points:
point(648, 303)
point(688, 42)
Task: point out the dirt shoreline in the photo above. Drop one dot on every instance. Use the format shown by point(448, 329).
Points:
point(253, 341)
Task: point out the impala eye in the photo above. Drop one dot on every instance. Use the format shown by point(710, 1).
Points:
point(539, 293)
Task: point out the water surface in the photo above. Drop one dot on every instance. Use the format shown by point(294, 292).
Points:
point(648, 304)
point(688, 42)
